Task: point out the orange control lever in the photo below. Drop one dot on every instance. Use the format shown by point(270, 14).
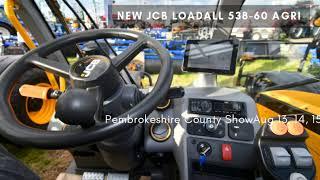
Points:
point(34, 91)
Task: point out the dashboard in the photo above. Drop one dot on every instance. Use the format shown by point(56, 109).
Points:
point(214, 132)
point(218, 133)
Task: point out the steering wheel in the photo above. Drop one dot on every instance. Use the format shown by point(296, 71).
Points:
point(106, 71)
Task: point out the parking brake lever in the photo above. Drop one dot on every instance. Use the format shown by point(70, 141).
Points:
point(39, 92)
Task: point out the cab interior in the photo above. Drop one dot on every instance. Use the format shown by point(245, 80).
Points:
point(78, 89)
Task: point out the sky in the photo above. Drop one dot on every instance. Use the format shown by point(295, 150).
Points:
point(203, 2)
point(99, 8)
point(194, 2)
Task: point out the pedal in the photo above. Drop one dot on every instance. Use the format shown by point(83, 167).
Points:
point(117, 176)
point(93, 176)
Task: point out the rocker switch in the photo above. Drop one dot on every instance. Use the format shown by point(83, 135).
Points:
point(280, 156)
point(302, 157)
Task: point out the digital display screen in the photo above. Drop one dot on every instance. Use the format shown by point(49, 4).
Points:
point(216, 107)
point(204, 56)
point(228, 107)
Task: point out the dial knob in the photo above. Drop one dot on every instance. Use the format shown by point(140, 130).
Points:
point(216, 129)
point(206, 106)
point(160, 131)
point(211, 127)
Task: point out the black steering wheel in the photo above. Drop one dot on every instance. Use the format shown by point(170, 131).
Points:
point(15, 131)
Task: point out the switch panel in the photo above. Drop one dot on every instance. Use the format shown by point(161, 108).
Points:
point(302, 157)
point(280, 156)
point(284, 157)
point(209, 129)
point(241, 131)
point(210, 155)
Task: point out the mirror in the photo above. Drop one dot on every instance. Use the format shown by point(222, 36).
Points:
point(209, 56)
point(251, 50)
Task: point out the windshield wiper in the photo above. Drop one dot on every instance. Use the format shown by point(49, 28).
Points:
point(294, 84)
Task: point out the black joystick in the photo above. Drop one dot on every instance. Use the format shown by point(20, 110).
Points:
point(77, 107)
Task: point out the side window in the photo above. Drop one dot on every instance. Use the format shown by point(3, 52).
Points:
point(314, 66)
point(48, 15)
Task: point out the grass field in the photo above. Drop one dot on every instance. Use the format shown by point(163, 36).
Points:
point(186, 79)
point(48, 164)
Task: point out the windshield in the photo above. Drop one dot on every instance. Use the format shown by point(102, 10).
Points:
point(283, 44)
point(265, 43)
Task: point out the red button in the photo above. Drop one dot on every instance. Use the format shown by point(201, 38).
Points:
point(226, 152)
